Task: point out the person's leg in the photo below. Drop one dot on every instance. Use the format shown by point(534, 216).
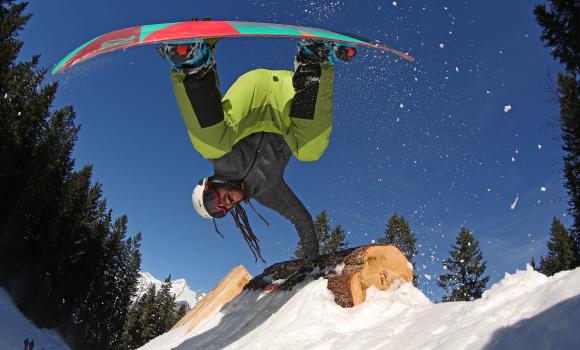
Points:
point(196, 87)
point(313, 78)
point(307, 85)
point(311, 106)
point(297, 105)
point(199, 80)
point(203, 94)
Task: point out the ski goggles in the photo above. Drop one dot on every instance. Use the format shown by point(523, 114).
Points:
point(213, 204)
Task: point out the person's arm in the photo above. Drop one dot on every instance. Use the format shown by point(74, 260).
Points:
point(285, 202)
point(199, 101)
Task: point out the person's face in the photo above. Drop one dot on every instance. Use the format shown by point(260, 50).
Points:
point(229, 196)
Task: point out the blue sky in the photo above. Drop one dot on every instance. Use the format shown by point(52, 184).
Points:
point(429, 140)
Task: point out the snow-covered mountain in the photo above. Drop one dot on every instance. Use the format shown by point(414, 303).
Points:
point(526, 310)
point(179, 287)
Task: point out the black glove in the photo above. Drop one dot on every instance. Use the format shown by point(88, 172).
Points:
point(308, 266)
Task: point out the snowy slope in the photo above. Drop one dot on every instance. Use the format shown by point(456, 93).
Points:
point(14, 328)
point(179, 288)
point(526, 310)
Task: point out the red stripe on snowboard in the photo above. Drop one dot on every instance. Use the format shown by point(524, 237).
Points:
point(118, 39)
point(186, 30)
point(306, 34)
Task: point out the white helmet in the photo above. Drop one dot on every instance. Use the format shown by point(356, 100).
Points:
point(197, 199)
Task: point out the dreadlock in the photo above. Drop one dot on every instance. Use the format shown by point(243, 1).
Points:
point(242, 222)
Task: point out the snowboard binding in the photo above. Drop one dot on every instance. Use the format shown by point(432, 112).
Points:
point(320, 51)
point(190, 57)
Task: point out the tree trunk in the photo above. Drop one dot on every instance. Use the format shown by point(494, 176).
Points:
point(349, 272)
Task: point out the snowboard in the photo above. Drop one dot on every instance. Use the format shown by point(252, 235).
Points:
point(182, 31)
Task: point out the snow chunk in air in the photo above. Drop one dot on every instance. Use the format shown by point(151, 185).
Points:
point(515, 202)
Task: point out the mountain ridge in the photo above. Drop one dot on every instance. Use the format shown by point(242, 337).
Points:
point(179, 288)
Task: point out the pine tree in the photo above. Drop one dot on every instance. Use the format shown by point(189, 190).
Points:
point(106, 308)
point(562, 250)
point(560, 32)
point(166, 302)
point(322, 230)
point(322, 233)
point(113, 307)
point(533, 264)
point(155, 313)
point(569, 94)
point(69, 257)
point(35, 152)
point(38, 217)
point(149, 315)
point(171, 312)
point(465, 280)
point(180, 313)
point(132, 330)
point(17, 129)
point(55, 229)
point(337, 240)
point(329, 240)
point(398, 233)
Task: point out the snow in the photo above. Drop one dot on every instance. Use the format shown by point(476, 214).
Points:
point(525, 310)
point(179, 288)
point(15, 327)
point(515, 203)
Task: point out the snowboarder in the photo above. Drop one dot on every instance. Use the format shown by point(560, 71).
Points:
point(251, 132)
point(26, 343)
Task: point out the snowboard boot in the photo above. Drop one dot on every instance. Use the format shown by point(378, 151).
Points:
point(318, 51)
point(191, 57)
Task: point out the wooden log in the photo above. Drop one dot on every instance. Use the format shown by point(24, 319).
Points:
point(349, 272)
point(226, 290)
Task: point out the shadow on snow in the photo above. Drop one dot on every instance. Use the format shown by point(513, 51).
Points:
point(554, 328)
point(244, 314)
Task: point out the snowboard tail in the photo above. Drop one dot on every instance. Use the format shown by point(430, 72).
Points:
point(182, 31)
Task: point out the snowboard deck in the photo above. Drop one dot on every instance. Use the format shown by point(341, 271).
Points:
point(183, 31)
